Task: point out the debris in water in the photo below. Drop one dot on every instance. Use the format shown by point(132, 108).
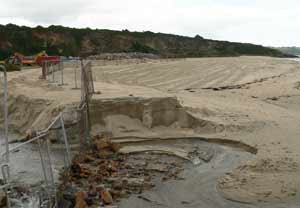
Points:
point(102, 175)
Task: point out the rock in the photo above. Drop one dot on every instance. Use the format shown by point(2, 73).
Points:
point(80, 200)
point(115, 147)
point(80, 170)
point(116, 193)
point(135, 182)
point(63, 203)
point(106, 197)
point(103, 154)
point(113, 166)
point(70, 193)
point(157, 167)
point(92, 191)
point(273, 98)
point(102, 144)
point(117, 185)
point(106, 144)
point(30, 134)
point(88, 158)
point(3, 199)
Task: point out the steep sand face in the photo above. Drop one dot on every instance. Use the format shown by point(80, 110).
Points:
point(251, 100)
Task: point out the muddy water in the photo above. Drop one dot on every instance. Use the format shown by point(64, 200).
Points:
point(199, 187)
point(26, 173)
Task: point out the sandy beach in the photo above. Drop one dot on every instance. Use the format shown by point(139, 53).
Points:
point(250, 101)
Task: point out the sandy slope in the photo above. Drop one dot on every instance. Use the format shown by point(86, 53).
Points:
point(255, 101)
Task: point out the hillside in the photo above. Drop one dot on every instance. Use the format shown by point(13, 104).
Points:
point(290, 50)
point(66, 41)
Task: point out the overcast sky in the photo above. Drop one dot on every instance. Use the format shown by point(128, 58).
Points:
point(267, 22)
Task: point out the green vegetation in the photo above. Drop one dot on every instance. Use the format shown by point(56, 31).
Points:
point(64, 41)
point(290, 50)
point(10, 67)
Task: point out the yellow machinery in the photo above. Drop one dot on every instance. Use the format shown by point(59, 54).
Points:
point(15, 62)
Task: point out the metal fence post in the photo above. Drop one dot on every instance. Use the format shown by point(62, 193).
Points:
point(75, 73)
point(43, 162)
point(66, 141)
point(60, 66)
point(52, 70)
point(53, 189)
point(82, 79)
point(5, 168)
point(5, 109)
point(5, 175)
point(44, 70)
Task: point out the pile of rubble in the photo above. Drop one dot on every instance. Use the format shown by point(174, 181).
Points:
point(101, 176)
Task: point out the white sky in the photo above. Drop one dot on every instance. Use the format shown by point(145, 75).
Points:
point(267, 22)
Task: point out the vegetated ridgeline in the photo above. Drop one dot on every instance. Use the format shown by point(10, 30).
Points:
point(64, 41)
point(290, 50)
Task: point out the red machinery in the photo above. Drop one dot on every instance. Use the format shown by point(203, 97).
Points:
point(20, 59)
point(47, 59)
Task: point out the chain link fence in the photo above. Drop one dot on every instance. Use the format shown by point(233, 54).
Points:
point(58, 131)
point(42, 143)
point(53, 71)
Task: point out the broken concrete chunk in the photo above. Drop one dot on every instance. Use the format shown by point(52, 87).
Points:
point(106, 197)
point(102, 144)
point(80, 200)
point(157, 167)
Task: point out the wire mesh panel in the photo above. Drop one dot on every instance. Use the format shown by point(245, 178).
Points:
point(77, 75)
point(53, 71)
point(40, 149)
point(44, 151)
point(38, 165)
point(83, 125)
point(30, 170)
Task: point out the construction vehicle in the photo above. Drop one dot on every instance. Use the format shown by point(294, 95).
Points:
point(45, 62)
point(40, 60)
point(20, 59)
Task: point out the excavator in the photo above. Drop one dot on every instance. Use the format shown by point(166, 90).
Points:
point(18, 60)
